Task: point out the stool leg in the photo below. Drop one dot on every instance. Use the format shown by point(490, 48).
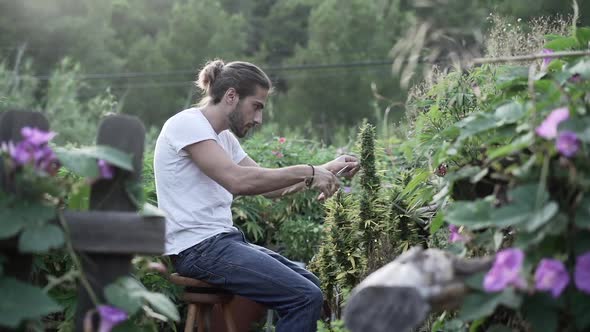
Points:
point(228, 318)
point(204, 320)
point(190, 318)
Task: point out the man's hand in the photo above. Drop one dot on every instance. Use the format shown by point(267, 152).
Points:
point(344, 165)
point(325, 181)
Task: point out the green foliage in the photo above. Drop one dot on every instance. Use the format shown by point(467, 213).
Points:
point(129, 294)
point(22, 301)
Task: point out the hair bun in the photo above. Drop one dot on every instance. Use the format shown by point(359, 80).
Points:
point(209, 73)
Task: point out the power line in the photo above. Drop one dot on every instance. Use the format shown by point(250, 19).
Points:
point(268, 69)
point(296, 76)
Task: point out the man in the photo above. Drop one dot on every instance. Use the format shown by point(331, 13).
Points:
point(199, 166)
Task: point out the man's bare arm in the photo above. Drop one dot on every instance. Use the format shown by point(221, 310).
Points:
point(247, 180)
point(249, 162)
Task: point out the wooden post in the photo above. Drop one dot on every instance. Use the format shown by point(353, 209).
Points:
point(108, 235)
point(11, 122)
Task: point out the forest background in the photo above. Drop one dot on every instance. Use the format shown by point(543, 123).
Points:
point(331, 60)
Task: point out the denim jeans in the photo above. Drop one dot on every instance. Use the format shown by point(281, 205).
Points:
point(227, 260)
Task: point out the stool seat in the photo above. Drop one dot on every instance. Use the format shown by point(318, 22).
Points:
point(177, 279)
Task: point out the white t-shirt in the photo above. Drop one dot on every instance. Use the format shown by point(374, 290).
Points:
point(196, 206)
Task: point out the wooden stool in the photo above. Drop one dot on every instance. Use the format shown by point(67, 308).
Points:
point(201, 297)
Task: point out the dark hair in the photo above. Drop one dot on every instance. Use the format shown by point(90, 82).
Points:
point(216, 78)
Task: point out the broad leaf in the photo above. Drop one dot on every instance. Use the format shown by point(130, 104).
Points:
point(16, 216)
point(541, 312)
point(480, 305)
point(583, 37)
point(150, 210)
point(542, 216)
point(21, 301)
point(562, 44)
point(38, 239)
point(476, 123)
point(516, 145)
point(162, 304)
point(580, 126)
point(509, 113)
point(580, 306)
point(581, 67)
point(437, 222)
point(473, 214)
point(125, 293)
point(83, 161)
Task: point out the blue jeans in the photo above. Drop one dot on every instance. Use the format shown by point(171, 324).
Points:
point(227, 260)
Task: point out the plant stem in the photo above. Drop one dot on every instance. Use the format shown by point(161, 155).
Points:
point(83, 280)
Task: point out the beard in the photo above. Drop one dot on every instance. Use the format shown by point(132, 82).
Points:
point(236, 122)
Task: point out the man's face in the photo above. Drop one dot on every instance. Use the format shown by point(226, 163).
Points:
point(247, 113)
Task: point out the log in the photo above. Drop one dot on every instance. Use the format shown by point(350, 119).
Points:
point(400, 295)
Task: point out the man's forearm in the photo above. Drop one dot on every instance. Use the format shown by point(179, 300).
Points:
point(285, 191)
point(257, 180)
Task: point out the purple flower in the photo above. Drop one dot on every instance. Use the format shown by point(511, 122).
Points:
point(36, 136)
point(110, 317)
point(505, 271)
point(347, 189)
point(551, 275)
point(454, 236)
point(567, 143)
point(22, 153)
point(575, 78)
point(582, 273)
point(105, 169)
point(548, 128)
point(547, 60)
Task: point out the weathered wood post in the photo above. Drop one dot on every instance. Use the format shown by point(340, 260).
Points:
point(112, 231)
point(400, 295)
point(11, 122)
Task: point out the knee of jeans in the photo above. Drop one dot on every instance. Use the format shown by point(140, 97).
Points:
point(314, 296)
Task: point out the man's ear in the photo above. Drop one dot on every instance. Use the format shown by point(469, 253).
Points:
point(231, 96)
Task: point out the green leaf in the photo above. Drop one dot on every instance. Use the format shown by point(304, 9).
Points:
point(583, 36)
point(38, 239)
point(437, 222)
point(476, 123)
point(162, 304)
point(580, 306)
point(499, 328)
point(580, 126)
point(509, 113)
point(81, 165)
point(20, 214)
point(125, 293)
point(581, 67)
point(541, 312)
point(466, 171)
point(83, 161)
point(79, 200)
point(541, 216)
point(473, 214)
point(480, 305)
point(21, 301)
point(150, 210)
point(518, 144)
point(475, 281)
point(562, 44)
point(522, 209)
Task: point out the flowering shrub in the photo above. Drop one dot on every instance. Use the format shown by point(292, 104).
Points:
point(528, 144)
point(34, 190)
